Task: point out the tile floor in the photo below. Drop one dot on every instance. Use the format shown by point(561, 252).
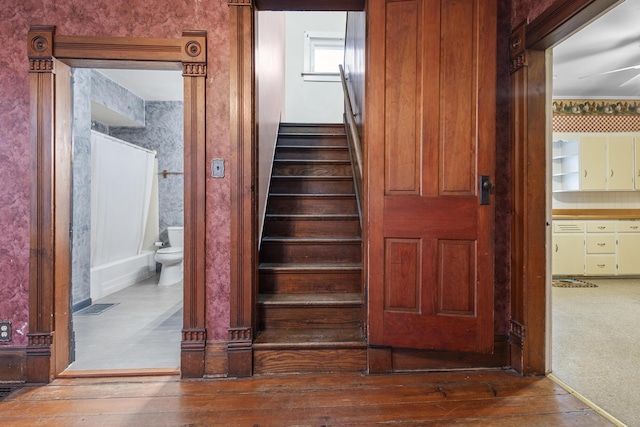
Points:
point(142, 331)
point(596, 344)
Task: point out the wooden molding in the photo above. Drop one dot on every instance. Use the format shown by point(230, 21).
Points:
point(379, 360)
point(243, 209)
point(241, 3)
point(562, 19)
point(50, 170)
point(313, 5)
point(516, 334)
point(194, 334)
point(240, 352)
point(13, 361)
point(517, 53)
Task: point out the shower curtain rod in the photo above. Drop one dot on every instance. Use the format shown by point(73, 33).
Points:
point(120, 141)
point(165, 172)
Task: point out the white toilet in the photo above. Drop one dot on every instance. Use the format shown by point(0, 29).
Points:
point(171, 258)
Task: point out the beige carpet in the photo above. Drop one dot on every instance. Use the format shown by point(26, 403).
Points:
point(596, 344)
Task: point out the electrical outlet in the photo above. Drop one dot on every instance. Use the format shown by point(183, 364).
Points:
point(5, 331)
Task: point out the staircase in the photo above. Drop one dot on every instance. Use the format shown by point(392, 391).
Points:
point(310, 299)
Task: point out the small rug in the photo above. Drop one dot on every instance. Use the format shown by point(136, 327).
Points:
point(573, 283)
point(95, 309)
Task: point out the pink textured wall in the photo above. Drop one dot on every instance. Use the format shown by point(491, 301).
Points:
point(132, 18)
point(527, 10)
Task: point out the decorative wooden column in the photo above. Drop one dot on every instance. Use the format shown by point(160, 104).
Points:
point(50, 191)
point(528, 259)
point(194, 334)
point(243, 158)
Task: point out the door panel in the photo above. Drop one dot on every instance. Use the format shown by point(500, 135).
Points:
point(431, 130)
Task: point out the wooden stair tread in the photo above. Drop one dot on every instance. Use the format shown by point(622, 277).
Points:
point(315, 177)
point(313, 147)
point(312, 240)
point(307, 195)
point(313, 338)
point(310, 300)
point(312, 267)
point(312, 217)
point(314, 161)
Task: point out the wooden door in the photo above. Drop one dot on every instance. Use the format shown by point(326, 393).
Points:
point(430, 134)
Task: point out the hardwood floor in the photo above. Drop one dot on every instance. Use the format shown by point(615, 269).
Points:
point(493, 398)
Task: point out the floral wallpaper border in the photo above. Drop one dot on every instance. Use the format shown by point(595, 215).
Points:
point(595, 107)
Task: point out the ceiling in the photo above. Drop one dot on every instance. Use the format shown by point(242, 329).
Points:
point(601, 61)
point(150, 85)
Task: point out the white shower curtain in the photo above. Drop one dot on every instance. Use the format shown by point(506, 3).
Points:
point(121, 185)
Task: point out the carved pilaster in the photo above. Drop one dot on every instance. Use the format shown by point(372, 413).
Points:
point(517, 334)
point(240, 352)
point(40, 49)
point(241, 3)
point(193, 339)
point(39, 344)
point(194, 334)
point(517, 53)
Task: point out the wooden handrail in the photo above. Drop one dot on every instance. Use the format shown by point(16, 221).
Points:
point(355, 146)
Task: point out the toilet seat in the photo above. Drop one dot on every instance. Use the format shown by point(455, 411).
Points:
point(169, 250)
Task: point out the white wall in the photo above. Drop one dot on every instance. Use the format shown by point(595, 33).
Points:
point(305, 101)
point(270, 64)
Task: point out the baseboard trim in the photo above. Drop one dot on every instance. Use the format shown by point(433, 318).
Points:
point(80, 305)
point(111, 373)
point(13, 363)
point(586, 401)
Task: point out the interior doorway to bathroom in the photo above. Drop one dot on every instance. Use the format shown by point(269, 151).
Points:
point(127, 192)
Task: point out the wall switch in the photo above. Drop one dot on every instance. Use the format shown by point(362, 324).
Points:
point(217, 168)
point(5, 331)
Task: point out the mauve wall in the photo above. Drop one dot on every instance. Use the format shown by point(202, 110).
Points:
point(527, 10)
point(132, 18)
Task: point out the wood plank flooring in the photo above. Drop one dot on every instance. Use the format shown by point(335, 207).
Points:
point(492, 398)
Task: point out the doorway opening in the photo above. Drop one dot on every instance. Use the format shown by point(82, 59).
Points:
point(127, 195)
point(593, 201)
point(49, 349)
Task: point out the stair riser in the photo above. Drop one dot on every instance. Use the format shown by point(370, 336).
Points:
point(295, 185)
point(306, 153)
point(305, 169)
point(322, 141)
point(310, 317)
point(312, 205)
point(318, 228)
point(308, 361)
point(307, 128)
point(283, 252)
point(299, 282)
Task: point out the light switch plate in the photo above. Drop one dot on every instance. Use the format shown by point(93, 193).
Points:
point(217, 168)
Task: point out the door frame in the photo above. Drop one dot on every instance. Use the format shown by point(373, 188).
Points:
point(529, 133)
point(50, 139)
point(244, 249)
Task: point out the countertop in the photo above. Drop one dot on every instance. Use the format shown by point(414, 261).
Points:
point(596, 213)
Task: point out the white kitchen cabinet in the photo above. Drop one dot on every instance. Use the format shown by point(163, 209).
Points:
point(637, 162)
point(628, 247)
point(566, 165)
point(568, 248)
point(593, 166)
point(595, 162)
point(620, 163)
point(596, 247)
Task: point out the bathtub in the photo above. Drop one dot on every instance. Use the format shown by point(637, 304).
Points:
point(114, 276)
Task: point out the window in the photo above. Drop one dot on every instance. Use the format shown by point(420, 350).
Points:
point(322, 54)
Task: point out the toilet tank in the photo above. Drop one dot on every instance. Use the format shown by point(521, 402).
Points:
point(176, 236)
